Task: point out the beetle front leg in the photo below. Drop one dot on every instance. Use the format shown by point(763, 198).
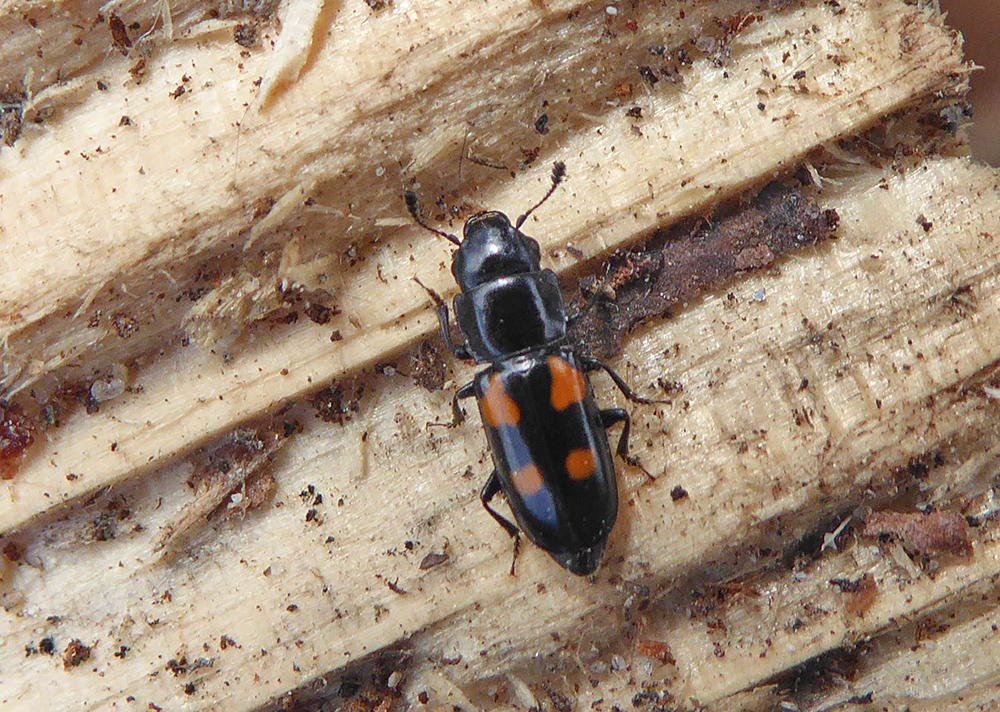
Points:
point(466, 391)
point(459, 351)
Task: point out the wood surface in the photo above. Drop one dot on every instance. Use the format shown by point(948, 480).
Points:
point(855, 376)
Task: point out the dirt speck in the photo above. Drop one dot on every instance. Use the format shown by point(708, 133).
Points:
point(76, 654)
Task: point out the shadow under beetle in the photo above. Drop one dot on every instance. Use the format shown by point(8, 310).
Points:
point(546, 434)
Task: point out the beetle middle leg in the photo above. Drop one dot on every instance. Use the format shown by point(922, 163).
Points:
point(489, 491)
point(457, 416)
point(617, 415)
point(592, 364)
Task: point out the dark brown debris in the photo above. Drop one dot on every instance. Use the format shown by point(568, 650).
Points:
point(119, 34)
point(138, 69)
point(655, 649)
point(432, 560)
point(105, 525)
point(645, 284)
point(819, 675)
point(245, 35)
point(859, 595)
point(427, 367)
point(12, 552)
point(318, 313)
point(16, 436)
point(239, 465)
point(125, 325)
point(938, 532)
point(11, 115)
point(332, 405)
point(76, 654)
point(372, 684)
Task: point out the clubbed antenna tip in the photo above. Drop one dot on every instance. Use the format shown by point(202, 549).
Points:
point(411, 203)
point(558, 173)
point(414, 209)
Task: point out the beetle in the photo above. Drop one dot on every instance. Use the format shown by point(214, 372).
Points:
point(546, 434)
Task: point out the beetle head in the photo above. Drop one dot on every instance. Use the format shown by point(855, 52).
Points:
point(492, 248)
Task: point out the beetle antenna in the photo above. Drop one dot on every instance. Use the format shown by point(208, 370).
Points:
point(414, 208)
point(558, 173)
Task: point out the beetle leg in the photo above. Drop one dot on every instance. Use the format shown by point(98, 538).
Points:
point(466, 391)
point(615, 415)
point(591, 364)
point(489, 491)
point(517, 550)
point(457, 415)
point(609, 417)
point(459, 351)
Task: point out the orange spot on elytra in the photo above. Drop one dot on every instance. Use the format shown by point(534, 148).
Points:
point(498, 407)
point(527, 481)
point(568, 386)
point(580, 464)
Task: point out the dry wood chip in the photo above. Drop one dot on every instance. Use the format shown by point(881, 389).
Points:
point(236, 472)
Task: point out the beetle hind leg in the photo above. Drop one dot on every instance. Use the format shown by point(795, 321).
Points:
point(489, 491)
point(611, 416)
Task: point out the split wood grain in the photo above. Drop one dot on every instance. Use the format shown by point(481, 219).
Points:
point(894, 366)
point(701, 142)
